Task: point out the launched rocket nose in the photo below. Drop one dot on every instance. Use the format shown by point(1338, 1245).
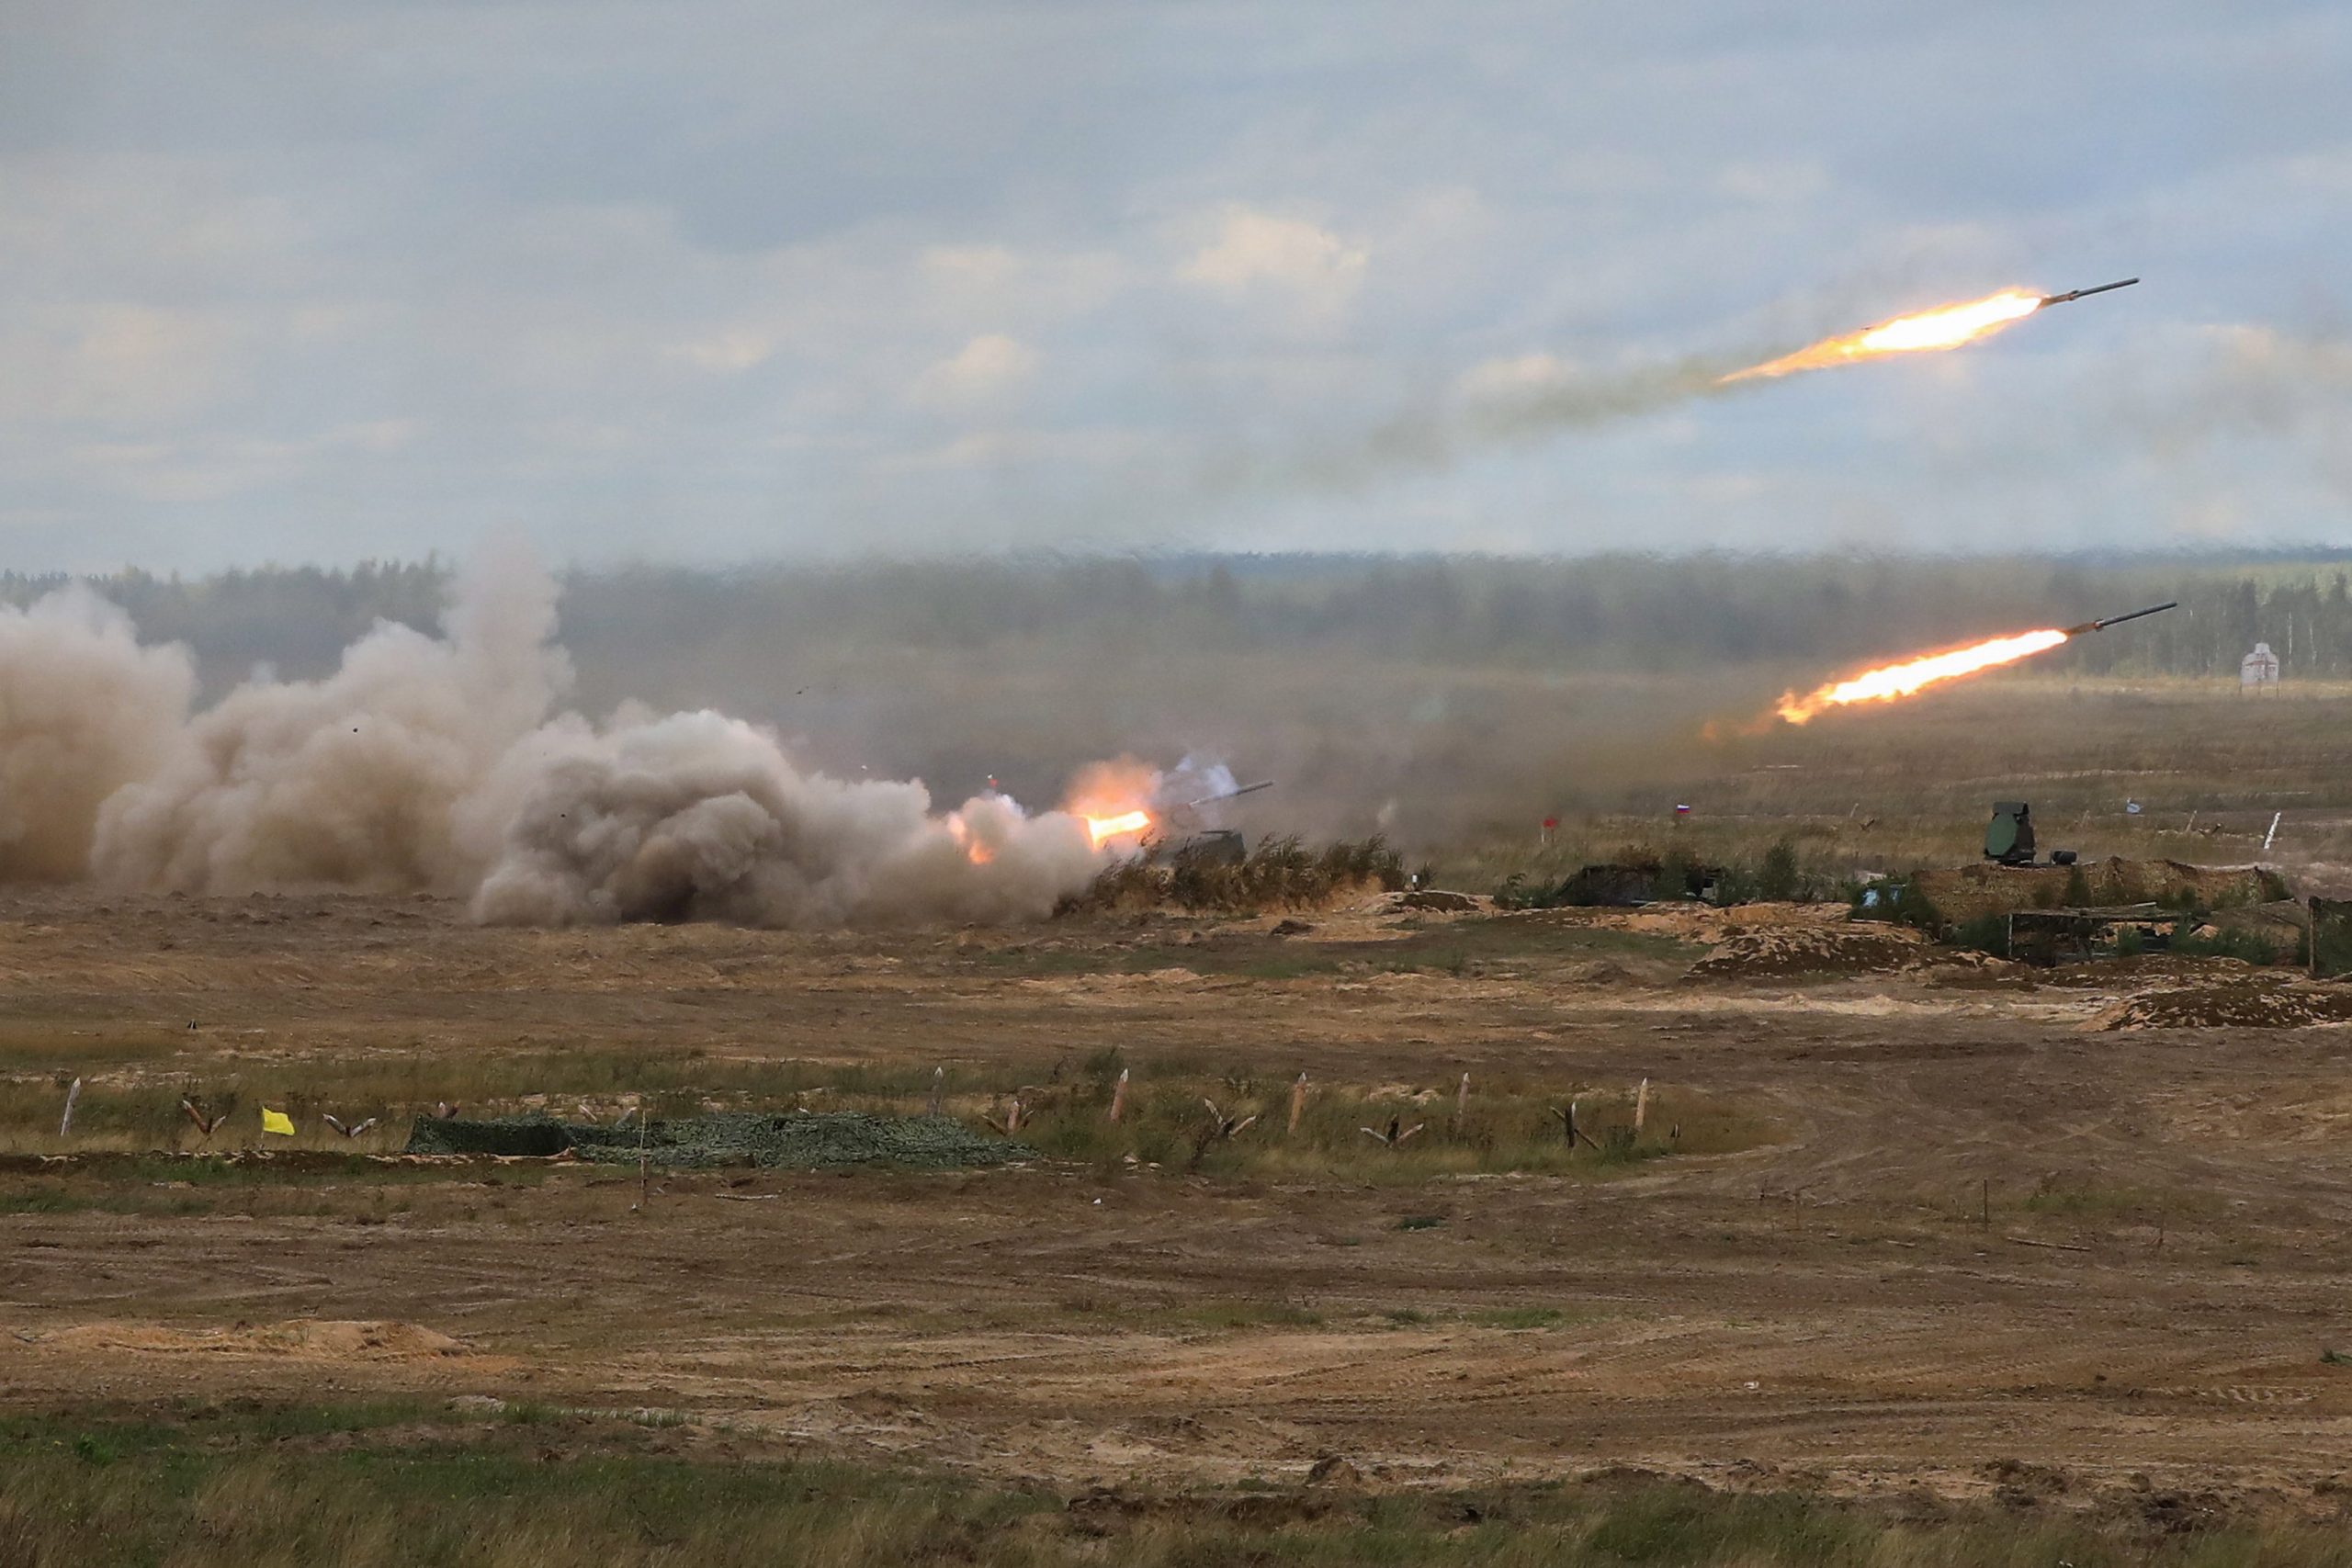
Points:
point(2118, 620)
point(2085, 293)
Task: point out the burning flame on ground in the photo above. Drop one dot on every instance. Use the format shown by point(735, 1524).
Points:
point(1893, 681)
point(1947, 326)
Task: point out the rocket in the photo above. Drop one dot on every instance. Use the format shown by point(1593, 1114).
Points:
point(2072, 294)
point(2118, 620)
point(1232, 794)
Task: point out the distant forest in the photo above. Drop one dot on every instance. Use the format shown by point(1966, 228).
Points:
point(1624, 612)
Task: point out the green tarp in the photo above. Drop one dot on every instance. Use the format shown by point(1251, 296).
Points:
point(793, 1140)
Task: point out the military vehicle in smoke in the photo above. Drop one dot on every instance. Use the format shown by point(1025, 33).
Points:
point(1188, 836)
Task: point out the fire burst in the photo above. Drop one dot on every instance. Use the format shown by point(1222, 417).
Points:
point(1103, 829)
point(1885, 685)
point(1948, 326)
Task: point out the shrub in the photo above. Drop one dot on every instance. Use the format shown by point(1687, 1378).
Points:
point(1985, 933)
point(2251, 946)
point(1279, 874)
point(1777, 878)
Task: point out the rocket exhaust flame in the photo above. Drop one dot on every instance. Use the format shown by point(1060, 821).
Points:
point(1889, 682)
point(1101, 829)
point(1948, 326)
point(1895, 680)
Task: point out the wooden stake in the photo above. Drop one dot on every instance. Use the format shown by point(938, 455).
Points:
point(66, 1123)
point(1461, 1104)
point(644, 1161)
point(938, 1082)
point(1298, 1100)
point(1567, 1115)
point(1119, 1096)
point(1641, 1106)
point(1012, 1117)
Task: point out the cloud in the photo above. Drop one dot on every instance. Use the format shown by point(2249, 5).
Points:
point(628, 275)
point(115, 363)
point(1255, 250)
point(986, 371)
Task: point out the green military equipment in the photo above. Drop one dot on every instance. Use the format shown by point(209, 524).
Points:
point(2009, 837)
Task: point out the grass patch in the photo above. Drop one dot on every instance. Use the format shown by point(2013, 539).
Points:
point(421, 1486)
point(1245, 1315)
point(1521, 1317)
point(2064, 1198)
point(1511, 1125)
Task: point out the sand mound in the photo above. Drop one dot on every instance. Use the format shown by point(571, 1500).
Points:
point(1778, 951)
point(306, 1338)
point(1437, 901)
point(2248, 1004)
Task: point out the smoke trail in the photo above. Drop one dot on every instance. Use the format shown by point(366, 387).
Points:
point(1510, 405)
point(433, 764)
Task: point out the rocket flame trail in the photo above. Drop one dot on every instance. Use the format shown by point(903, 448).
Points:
point(1948, 326)
point(1884, 685)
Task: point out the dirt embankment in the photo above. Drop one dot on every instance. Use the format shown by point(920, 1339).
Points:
point(2251, 1001)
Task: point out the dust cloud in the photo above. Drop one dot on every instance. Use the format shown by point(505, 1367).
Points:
point(447, 764)
point(85, 711)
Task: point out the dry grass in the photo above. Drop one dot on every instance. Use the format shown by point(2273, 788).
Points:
point(1510, 1125)
point(1278, 874)
point(1889, 788)
point(420, 1485)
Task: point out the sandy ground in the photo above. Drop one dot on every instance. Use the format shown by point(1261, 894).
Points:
point(2144, 1312)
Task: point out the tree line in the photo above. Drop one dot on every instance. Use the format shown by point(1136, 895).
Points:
point(1619, 612)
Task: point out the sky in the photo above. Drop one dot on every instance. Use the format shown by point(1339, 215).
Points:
point(726, 281)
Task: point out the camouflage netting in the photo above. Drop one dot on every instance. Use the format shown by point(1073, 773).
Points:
point(799, 1141)
point(2331, 929)
point(1963, 893)
point(1771, 953)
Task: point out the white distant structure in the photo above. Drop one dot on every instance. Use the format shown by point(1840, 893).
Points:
point(2259, 669)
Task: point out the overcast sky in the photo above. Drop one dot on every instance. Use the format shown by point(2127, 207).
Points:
point(719, 281)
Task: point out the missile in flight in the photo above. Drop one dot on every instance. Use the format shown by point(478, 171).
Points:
point(2074, 294)
point(2118, 620)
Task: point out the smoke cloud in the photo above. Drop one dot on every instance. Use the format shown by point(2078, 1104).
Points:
point(443, 764)
point(698, 816)
point(377, 778)
point(84, 711)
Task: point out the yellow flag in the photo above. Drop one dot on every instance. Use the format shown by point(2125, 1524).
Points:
point(277, 1121)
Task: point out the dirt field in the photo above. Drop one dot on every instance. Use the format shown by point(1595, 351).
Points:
point(1967, 1242)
